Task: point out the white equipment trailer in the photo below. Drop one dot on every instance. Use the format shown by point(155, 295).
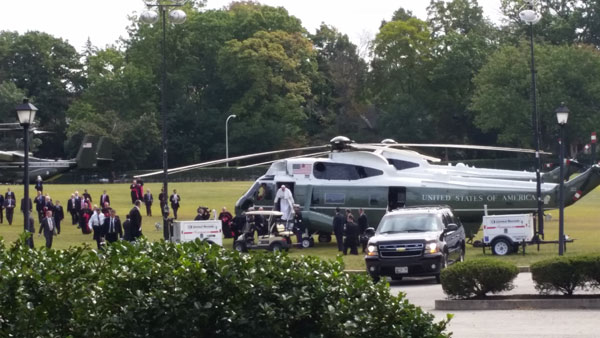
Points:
point(187, 231)
point(505, 233)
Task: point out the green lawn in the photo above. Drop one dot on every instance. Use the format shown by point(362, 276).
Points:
point(582, 221)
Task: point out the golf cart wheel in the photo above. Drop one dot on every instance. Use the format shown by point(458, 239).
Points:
point(240, 247)
point(324, 238)
point(276, 247)
point(306, 243)
point(501, 247)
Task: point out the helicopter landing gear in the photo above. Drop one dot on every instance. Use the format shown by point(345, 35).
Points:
point(324, 238)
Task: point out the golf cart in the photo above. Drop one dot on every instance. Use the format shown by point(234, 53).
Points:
point(276, 238)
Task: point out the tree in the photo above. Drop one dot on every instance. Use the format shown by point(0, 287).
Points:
point(337, 106)
point(48, 69)
point(269, 78)
point(402, 53)
point(118, 104)
point(463, 40)
point(565, 73)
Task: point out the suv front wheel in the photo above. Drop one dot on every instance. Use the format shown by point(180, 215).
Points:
point(443, 265)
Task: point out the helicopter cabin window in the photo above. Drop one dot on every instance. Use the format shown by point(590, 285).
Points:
point(341, 171)
point(401, 165)
point(335, 198)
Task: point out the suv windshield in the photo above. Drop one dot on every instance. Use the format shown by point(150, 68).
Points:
point(409, 223)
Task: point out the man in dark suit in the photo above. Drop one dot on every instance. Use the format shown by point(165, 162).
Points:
point(338, 228)
point(71, 209)
point(10, 194)
point(112, 227)
point(135, 219)
point(31, 230)
point(175, 199)
point(148, 200)
point(1, 208)
point(48, 227)
point(86, 195)
point(363, 224)
point(40, 203)
point(23, 206)
point(59, 215)
point(104, 198)
point(162, 198)
point(9, 206)
point(351, 236)
point(127, 234)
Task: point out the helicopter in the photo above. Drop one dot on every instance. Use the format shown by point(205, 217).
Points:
point(353, 176)
point(93, 150)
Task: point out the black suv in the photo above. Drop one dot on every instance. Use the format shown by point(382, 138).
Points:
point(415, 241)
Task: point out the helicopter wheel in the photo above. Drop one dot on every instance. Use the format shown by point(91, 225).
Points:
point(324, 238)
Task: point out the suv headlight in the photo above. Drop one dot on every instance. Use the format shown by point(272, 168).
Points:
point(372, 250)
point(432, 247)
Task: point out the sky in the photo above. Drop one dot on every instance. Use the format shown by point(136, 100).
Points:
point(106, 20)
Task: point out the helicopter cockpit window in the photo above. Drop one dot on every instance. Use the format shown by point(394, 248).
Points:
point(341, 171)
point(264, 192)
point(401, 165)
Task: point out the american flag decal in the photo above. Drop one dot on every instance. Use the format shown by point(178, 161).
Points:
point(301, 169)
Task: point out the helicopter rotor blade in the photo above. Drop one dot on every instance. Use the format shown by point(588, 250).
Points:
point(287, 158)
point(460, 146)
point(230, 159)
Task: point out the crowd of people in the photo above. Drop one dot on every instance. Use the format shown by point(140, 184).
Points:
point(102, 221)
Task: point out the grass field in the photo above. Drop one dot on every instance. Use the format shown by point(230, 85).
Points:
point(582, 220)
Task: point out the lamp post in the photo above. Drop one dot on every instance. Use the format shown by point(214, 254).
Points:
point(26, 114)
point(530, 16)
point(562, 115)
point(227, 139)
point(176, 16)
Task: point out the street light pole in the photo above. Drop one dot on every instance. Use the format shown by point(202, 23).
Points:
point(26, 114)
point(177, 17)
point(227, 139)
point(531, 17)
point(562, 115)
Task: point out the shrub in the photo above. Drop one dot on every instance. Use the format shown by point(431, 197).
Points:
point(476, 278)
point(590, 267)
point(559, 274)
point(194, 290)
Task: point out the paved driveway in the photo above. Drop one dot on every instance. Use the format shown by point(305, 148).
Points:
point(508, 323)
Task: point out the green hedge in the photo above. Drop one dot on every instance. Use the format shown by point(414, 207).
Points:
point(476, 278)
point(566, 274)
point(194, 290)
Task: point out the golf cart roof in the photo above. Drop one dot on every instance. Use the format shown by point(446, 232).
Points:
point(264, 213)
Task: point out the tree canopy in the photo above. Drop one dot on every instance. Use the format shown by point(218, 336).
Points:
point(454, 77)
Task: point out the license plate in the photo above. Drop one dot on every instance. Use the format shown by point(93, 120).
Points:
point(401, 269)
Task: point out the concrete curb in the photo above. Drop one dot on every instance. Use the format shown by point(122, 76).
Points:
point(523, 269)
point(515, 304)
